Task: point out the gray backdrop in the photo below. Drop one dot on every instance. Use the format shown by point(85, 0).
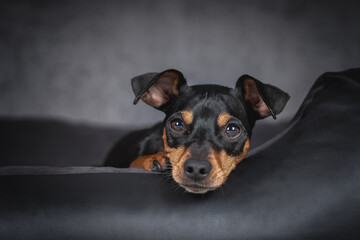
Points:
point(74, 59)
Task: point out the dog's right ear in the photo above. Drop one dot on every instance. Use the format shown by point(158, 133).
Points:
point(263, 99)
point(158, 89)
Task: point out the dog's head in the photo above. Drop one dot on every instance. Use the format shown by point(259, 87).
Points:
point(207, 128)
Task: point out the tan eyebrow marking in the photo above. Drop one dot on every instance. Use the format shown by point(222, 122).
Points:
point(223, 119)
point(187, 116)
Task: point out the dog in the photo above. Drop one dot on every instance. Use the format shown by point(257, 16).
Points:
point(207, 128)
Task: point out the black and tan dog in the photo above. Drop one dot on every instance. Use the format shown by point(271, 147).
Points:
point(207, 128)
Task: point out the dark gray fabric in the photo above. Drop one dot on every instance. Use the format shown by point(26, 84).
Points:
point(44, 170)
point(49, 142)
point(303, 185)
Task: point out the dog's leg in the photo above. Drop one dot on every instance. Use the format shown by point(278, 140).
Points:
point(148, 162)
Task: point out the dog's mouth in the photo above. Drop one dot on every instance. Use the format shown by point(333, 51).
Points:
point(211, 183)
point(197, 188)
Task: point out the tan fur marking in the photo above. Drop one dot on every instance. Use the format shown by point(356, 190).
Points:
point(177, 158)
point(187, 116)
point(223, 119)
point(174, 154)
point(146, 161)
point(223, 164)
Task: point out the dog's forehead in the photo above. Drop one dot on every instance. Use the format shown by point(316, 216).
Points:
point(207, 95)
point(209, 108)
point(210, 101)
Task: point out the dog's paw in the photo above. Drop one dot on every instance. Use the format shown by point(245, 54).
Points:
point(157, 162)
point(157, 167)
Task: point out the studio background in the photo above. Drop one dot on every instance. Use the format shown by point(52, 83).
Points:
point(73, 60)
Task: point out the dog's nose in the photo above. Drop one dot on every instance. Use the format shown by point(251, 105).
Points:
point(197, 169)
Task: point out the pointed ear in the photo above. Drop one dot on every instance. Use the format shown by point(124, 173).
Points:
point(158, 89)
point(264, 99)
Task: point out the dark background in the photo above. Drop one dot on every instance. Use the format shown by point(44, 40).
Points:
point(74, 60)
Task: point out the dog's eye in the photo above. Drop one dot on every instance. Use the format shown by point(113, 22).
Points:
point(177, 125)
point(232, 130)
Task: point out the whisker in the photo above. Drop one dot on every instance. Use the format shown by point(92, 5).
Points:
point(222, 189)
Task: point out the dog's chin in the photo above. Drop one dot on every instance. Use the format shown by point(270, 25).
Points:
point(197, 189)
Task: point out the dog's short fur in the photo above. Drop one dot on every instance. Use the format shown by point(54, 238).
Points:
point(207, 128)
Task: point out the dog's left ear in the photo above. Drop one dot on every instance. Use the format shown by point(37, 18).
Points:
point(158, 89)
point(264, 99)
